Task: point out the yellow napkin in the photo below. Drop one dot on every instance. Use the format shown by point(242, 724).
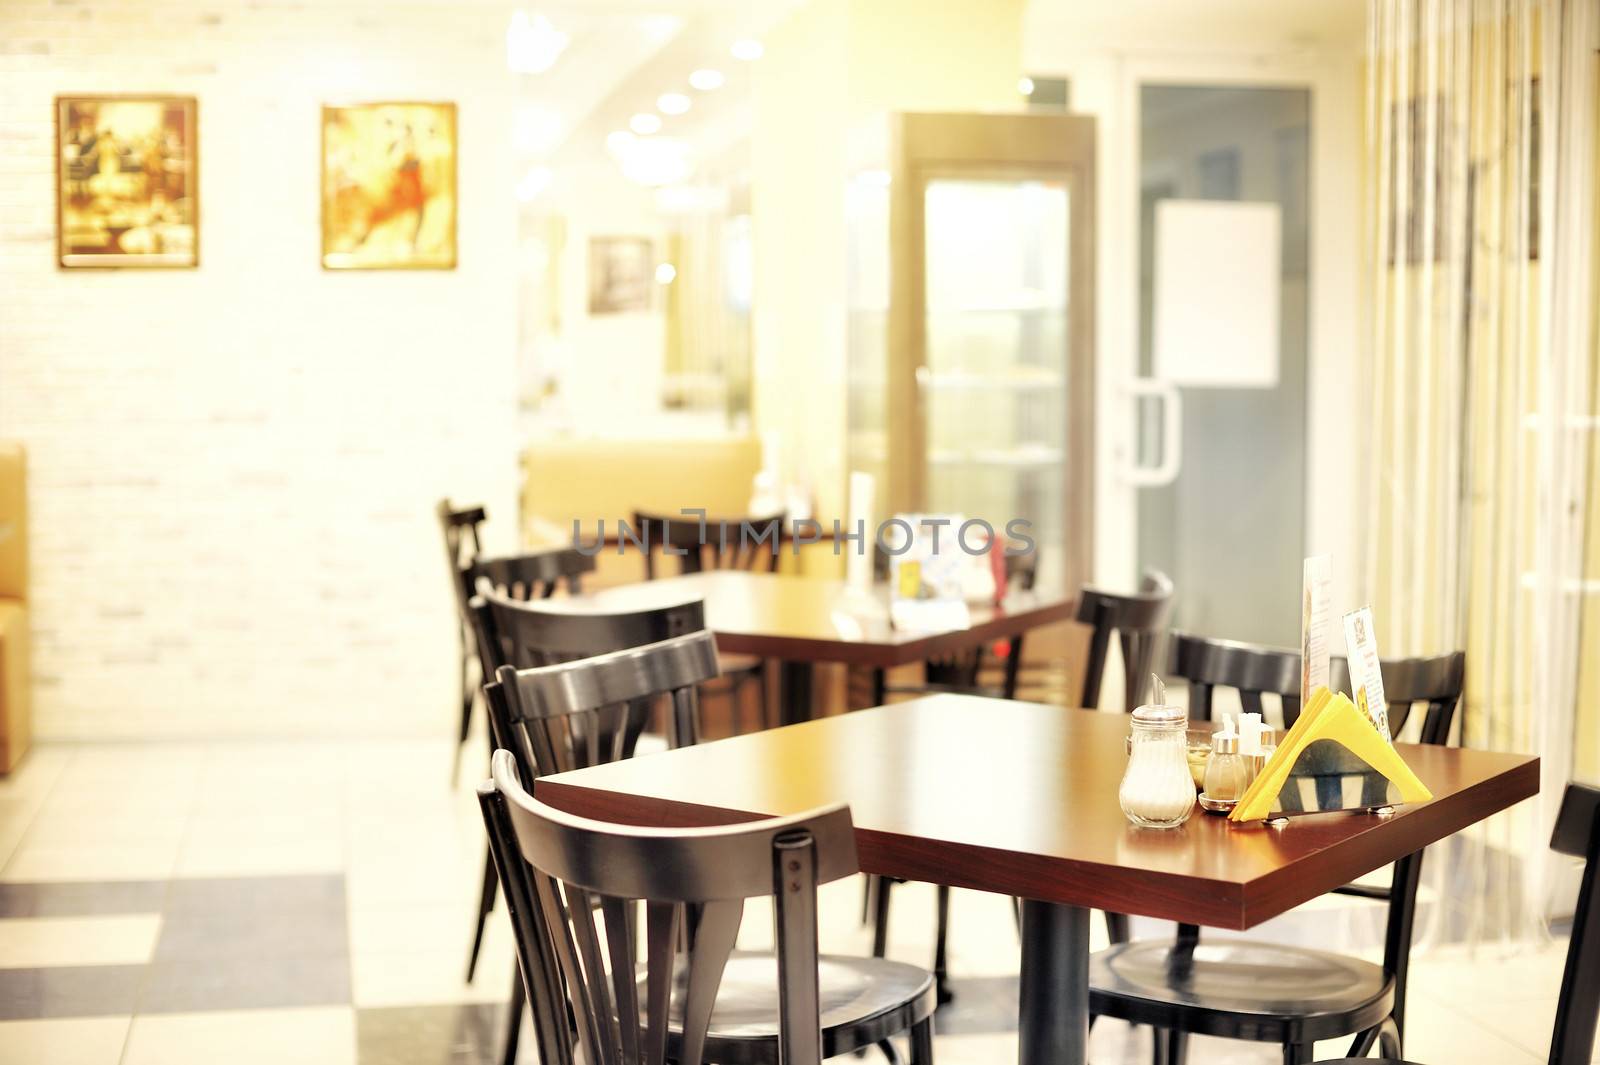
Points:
point(1328, 716)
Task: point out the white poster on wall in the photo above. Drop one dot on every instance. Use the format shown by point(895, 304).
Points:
point(1217, 276)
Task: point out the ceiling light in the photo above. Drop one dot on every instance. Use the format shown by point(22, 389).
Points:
point(652, 161)
point(748, 50)
point(706, 79)
point(1025, 86)
point(533, 44)
point(620, 140)
point(645, 123)
point(672, 103)
point(665, 273)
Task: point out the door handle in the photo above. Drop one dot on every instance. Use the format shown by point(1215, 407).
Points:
point(1165, 471)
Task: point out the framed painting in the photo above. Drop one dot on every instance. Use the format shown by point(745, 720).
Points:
point(621, 274)
point(127, 181)
point(389, 186)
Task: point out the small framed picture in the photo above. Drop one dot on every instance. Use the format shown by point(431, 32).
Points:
point(389, 186)
point(127, 181)
point(621, 274)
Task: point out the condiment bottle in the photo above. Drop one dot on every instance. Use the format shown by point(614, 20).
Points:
point(1265, 749)
point(1227, 775)
point(1157, 790)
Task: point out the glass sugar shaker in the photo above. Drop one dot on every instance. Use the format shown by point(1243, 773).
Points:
point(1227, 771)
point(1157, 790)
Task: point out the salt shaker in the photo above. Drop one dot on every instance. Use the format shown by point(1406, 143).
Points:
point(1227, 772)
point(1157, 790)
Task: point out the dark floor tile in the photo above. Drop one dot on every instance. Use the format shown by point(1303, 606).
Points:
point(82, 899)
point(254, 917)
point(247, 982)
point(246, 895)
point(69, 991)
point(469, 1034)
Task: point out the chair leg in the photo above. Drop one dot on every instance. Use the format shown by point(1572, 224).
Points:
point(1117, 927)
point(1177, 1048)
point(1390, 1045)
point(1297, 1054)
point(491, 884)
point(922, 1043)
point(467, 695)
point(941, 944)
point(763, 713)
point(880, 918)
point(514, 1018)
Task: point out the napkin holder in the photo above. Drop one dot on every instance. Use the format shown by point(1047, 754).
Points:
point(1333, 759)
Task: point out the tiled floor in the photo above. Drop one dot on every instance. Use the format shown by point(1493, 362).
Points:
point(311, 902)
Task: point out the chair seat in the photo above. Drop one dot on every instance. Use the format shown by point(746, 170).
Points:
point(1240, 989)
point(864, 1000)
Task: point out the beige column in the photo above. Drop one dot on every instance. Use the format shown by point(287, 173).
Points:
point(827, 70)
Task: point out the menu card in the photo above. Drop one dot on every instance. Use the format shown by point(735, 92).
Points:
point(1315, 607)
point(1366, 678)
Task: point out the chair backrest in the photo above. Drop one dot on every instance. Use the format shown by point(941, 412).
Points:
point(1251, 669)
point(462, 545)
point(536, 575)
point(1577, 833)
point(591, 710)
point(1139, 621)
point(1437, 681)
point(1254, 670)
point(572, 884)
point(524, 634)
point(720, 544)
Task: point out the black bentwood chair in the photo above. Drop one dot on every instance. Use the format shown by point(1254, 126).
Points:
point(1577, 833)
point(718, 544)
point(725, 1006)
point(462, 545)
point(960, 673)
point(1243, 989)
point(520, 577)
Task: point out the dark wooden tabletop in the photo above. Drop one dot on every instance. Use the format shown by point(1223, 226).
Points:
point(1021, 799)
point(809, 619)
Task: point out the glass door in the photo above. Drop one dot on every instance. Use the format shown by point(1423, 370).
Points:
point(1224, 238)
point(995, 378)
point(989, 360)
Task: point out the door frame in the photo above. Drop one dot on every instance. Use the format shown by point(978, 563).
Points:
point(1106, 83)
point(1015, 147)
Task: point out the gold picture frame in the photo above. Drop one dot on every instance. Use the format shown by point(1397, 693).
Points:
point(389, 186)
point(127, 181)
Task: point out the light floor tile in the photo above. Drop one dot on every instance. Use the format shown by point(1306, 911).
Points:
point(40, 859)
point(425, 978)
point(75, 1041)
point(261, 856)
point(319, 1036)
point(34, 942)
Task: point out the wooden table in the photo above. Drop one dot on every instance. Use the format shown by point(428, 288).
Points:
point(800, 621)
point(1021, 799)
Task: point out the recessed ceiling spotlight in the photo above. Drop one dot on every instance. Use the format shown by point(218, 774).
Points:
point(645, 123)
point(666, 273)
point(672, 103)
point(748, 49)
point(533, 44)
point(706, 79)
point(1025, 86)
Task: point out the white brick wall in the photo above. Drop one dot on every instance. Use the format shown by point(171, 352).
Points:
point(233, 468)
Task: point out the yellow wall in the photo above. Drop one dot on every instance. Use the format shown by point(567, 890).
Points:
point(827, 70)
